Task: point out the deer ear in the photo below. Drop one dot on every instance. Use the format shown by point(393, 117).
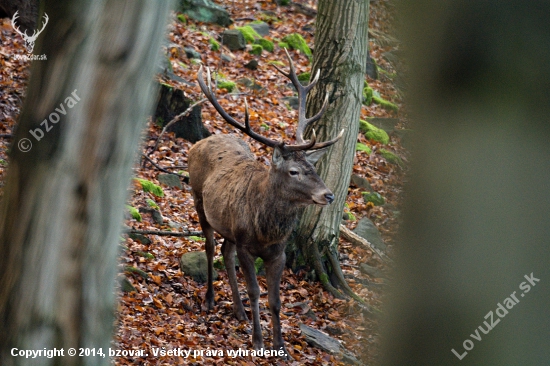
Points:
point(313, 156)
point(277, 157)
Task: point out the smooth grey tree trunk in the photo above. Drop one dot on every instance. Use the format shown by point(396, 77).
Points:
point(62, 211)
point(476, 217)
point(341, 42)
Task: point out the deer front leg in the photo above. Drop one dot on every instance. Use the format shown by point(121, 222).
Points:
point(228, 252)
point(274, 270)
point(210, 249)
point(247, 264)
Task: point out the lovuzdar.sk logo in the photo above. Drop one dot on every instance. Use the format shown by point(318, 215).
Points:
point(29, 40)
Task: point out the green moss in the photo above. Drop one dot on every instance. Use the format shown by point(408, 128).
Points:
point(182, 18)
point(146, 255)
point(391, 157)
point(152, 204)
point(362, 147)
point(134, 212)
point(323, 277)
point(225, 84)
point(284, 2)
point(263, 17)
point(196, 238)
point(256, 50)
point(214, 45)
point(219, 263)
point(276, 63)
point(283, 45)
point(385, 104)
point(150, 187)
point(258, 265)
point(133, 269)
point(367, 95)
point(373, 133)
point(266, 44)
point(297, 42)
point(373, 197)
point(249, 34)
point(304, 77)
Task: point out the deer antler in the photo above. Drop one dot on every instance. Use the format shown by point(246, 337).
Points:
point(207, 90)
point(303, 122)
point(15, 16)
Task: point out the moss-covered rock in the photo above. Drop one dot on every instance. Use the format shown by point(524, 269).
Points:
point(385, 104)
point(373, 133)
point(262, 28)
point(206, 11)
point(373, 197)
point(362, 147)
point(391, 157)
point(296, 42)
point(283, 45)
point(194, 264)
point(266, 44)
point(249, 34)
point(367, 95)
point(256, 49)
point(233, 39)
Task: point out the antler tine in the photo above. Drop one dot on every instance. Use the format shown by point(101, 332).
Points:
point(324, 144)
point(207, 90)
point(15, 16)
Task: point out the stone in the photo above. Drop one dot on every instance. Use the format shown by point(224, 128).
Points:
point(191, 53)
point(194, 264)
point(233, 39)
point(373, 197)
point(361, 182)
point(374, 133)
point(262, 28)
point(140, 238)
point(206, 11)
point(366, 229)
point(251, 65)
point(171, 180)
point(292, 102)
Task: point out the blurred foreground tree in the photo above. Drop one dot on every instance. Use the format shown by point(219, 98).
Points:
point(476, 218)
point(341, 54)
point(70, 167)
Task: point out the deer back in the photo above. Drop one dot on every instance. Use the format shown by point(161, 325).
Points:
point(245, 201)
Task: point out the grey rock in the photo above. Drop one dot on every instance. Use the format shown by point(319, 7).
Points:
point(261, 28)
point(233, 39)
point(141, 238)
point(361, 182)
point(366, 229)
point(292, 101)
point(171, 180)
point(194, 264)
point(191, 53)
point(226, 58)
point(206, 11)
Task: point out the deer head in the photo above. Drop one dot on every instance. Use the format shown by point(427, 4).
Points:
point(29, 40)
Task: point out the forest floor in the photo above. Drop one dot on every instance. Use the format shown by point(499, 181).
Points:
point(165, 310)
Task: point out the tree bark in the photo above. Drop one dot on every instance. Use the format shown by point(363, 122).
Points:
point(340, 54)
point(61, 216)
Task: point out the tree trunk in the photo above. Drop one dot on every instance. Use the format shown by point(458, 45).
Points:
point(341, 54)
point(61, 216)
point(474, 256)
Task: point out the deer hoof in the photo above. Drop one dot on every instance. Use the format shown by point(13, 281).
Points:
point(258, 345)
point(240, 314)
point(209, 304)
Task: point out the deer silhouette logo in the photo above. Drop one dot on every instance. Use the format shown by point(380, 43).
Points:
point(29, 40)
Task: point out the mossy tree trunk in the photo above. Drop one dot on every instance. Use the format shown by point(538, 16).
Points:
point(62, 210)
point(341, 54)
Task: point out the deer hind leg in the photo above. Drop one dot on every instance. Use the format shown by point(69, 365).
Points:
point(274, 270)
point(247, 264)
point(228, 252)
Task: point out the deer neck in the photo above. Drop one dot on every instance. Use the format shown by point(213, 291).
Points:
point(275, 215)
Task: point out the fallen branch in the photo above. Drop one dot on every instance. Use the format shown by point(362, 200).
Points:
point(165, 170)
point(165, 233)
point(355, 239)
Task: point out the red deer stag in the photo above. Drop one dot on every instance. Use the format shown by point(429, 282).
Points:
point(254, 207)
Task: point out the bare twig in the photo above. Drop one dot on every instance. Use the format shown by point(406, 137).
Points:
point(357, 240)
point(165, 233)
point(185, 179)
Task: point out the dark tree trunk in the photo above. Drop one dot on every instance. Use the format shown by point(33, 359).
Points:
point(340, 54)
point(27, 13)
point(62, 210)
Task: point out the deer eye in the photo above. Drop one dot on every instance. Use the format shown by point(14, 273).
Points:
point(293, 172)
